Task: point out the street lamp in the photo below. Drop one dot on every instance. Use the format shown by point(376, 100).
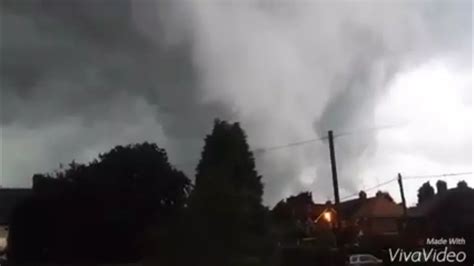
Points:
point(327, 216)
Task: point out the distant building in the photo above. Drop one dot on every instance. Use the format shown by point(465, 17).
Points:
point(9, 198)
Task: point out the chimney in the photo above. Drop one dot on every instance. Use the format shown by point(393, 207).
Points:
point(362, 195)
point(462, 185)
point(441, 187)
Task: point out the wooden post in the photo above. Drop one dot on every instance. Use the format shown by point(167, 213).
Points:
point(334, 177)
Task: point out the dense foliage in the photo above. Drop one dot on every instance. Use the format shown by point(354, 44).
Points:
point(98, 211)
point(226, 204)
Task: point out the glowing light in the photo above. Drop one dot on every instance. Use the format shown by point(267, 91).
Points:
point(327, 216)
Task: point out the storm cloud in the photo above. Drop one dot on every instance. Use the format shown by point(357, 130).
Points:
point(78, 77)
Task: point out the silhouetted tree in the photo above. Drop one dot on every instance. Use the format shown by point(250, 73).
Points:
point(302, 198)
point(425, 192)
point(98, 211)
point(294, 208)
point(441, 186)
point(290, 217)
point(281, 212)
point(226, 204)
point(305, 197)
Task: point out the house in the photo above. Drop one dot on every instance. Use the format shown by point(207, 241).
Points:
point(9, 198)
point(447, 213)
point(378, 215)
point(376, 218)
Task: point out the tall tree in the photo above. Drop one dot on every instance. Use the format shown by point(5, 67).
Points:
point(227, 199)
point(425, 192)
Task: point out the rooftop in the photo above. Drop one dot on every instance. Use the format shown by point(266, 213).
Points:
point(9, 198)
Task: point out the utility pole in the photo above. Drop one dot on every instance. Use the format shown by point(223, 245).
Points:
point(402, 194)
point(334, 177)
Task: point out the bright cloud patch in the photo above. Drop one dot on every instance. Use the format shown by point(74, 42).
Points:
point(434, 129)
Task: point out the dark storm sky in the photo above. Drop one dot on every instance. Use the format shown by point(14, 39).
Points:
point(80, 76)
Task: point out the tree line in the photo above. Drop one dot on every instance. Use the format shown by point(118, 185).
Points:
point(130, 204)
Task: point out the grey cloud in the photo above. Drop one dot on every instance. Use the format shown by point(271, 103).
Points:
point(88, 62)
point(285, 66)
point(76, 56)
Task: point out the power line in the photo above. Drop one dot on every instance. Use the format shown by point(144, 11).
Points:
point(377, 128)
point(371, 188)
point(270, 148)
point(304, 142)
point(437, 176)
point(288, 145)
point(411, 177)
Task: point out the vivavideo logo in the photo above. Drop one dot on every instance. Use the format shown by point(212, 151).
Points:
point(433, 254)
